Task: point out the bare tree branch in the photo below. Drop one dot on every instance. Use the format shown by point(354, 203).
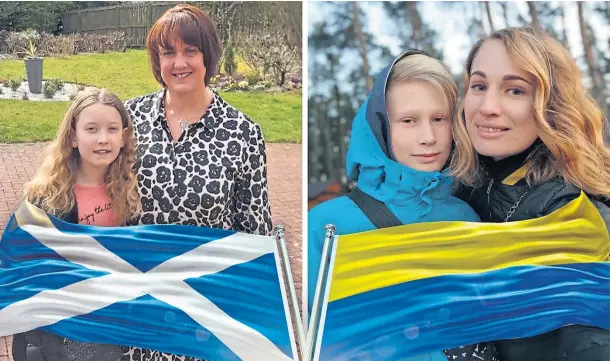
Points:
point(533, 14)
point(489, 19)
point(594, 73)
point(416, 21)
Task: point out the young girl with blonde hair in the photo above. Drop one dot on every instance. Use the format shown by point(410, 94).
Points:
point(537, 141)
point(92, 155)
point(86, 178)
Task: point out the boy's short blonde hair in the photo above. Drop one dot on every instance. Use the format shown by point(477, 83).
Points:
point(422, 67)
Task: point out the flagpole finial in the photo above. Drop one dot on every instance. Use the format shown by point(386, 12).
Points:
point(330, 228)
point(279, 230)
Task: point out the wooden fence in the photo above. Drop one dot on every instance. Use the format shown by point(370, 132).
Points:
point(238, 18)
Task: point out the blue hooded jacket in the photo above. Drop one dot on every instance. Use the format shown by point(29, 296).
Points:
point(413, 196)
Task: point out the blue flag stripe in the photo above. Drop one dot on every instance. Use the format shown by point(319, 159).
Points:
point(448, 311)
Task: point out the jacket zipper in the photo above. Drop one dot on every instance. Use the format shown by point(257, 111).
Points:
point(491, 182)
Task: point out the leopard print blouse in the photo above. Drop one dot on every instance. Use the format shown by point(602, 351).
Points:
point(215, 175)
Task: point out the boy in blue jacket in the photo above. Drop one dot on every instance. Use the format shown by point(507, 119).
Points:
point(401, 142)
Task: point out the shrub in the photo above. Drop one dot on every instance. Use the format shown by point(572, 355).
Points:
point(101, 43)
point(57, 83)
point(3, 42)
point(216, 79)
point(229, 62)
point(48, 90)
point(30, 35)
point(51, 87)
point(16, 42)
point(229, 86)
point(62, 45)
point(14, 83)
point(253, 78)
point(242, 85)
point(271, 53)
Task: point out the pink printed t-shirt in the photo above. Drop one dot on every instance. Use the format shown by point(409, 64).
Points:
point(94, 206)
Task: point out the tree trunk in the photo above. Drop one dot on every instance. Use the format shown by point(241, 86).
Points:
point(594, 73)
point(564, 32)
point(504, 5)
point(491, 23)
point(533, 14)
point(362, 41)
point(415, 21)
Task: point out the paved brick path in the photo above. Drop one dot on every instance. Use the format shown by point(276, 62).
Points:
point(18, 164)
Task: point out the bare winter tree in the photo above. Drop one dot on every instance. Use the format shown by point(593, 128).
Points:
point(597, 79)
point(504, 6)
point(362, 41)
point(533, 14)
point(564, 32)
point(489, 19)
point(416, 22)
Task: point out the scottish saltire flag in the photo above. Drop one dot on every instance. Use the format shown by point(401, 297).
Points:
point(410, 290)
point(187, 290)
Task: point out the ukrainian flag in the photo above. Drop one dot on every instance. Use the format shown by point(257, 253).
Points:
point(414, 289)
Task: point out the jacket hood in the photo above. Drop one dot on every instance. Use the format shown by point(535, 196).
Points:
point(371, 161)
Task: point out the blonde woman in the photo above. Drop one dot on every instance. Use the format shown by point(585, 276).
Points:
point(86, 178)
point(402, 139)
point(537, 140)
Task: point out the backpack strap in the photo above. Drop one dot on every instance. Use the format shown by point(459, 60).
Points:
point(376, 211)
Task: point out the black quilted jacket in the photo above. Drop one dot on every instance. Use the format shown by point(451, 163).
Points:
point(493, 201)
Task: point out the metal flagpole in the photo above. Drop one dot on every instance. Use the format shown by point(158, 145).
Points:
point(314, 319)
point(281, 241)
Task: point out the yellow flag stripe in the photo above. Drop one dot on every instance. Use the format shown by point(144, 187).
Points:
point(366, 261)
point(515, 176)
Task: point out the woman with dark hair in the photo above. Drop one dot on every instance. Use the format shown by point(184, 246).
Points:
point(200, 161)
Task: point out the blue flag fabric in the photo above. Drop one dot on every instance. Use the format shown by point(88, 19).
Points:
point(201, 292)
point(405, 291)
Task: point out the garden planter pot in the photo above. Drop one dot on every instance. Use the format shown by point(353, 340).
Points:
point(33, 69)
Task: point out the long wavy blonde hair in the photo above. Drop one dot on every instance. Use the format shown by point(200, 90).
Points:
point(570, 124)
point(52, 187)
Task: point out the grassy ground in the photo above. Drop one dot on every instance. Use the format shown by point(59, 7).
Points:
point(128, 75)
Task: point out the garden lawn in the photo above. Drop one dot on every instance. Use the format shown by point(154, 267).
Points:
point(128, 75)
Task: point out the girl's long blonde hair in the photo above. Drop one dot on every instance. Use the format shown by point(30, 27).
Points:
point(53, 186)
point(570, 124)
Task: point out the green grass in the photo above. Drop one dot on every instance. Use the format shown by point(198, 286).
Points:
point(128, 75)
point(28, 121)
point(271, 112)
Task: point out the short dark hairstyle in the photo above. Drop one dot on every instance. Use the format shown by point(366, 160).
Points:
point(192, 26)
